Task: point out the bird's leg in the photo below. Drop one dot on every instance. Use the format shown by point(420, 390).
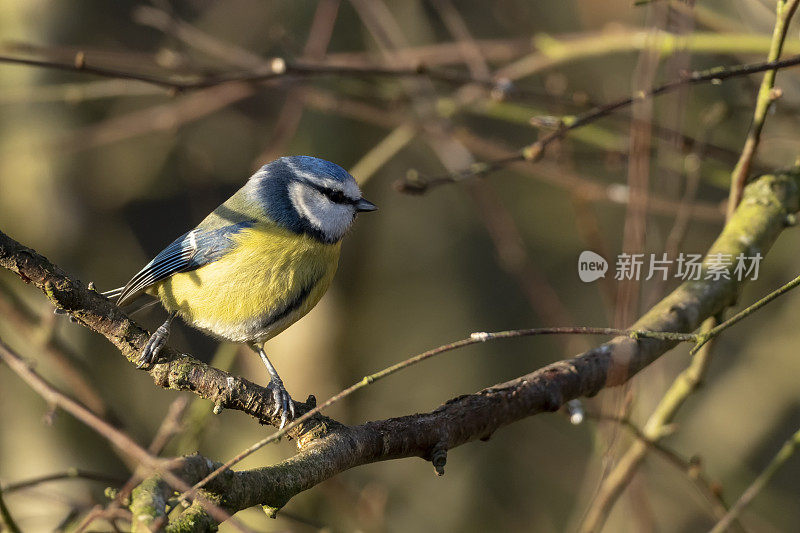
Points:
point(156, 342)
point(283, 402)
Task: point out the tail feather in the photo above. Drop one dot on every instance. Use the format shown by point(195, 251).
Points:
point(141, 306)
point(113, 294)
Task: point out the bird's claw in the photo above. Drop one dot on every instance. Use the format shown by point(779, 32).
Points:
point(283, 402)
point(153, 347)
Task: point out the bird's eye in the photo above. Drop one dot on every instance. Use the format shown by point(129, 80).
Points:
point(336, 196)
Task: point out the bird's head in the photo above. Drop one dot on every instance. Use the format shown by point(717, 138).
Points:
point(309, 195)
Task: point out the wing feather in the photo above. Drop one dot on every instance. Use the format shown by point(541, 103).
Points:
point(186, 253)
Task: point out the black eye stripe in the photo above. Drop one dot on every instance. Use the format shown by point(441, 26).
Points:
point(334, 195)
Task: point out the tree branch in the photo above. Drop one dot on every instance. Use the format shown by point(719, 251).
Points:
point(760, 218)
point(272, 69)
point(766, 209)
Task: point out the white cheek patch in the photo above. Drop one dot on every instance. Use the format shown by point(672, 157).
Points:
point(332, 219)
point(349, 187)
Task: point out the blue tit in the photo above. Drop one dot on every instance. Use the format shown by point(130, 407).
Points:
point(258, 263)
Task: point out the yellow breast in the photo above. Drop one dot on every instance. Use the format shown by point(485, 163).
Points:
point(268, 281)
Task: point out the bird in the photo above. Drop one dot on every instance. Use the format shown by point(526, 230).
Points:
point(257, 263)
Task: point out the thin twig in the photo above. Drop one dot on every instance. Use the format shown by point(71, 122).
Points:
point(98, 512)
point(691, 467)
point(29, 323)
point(170, 426)
point(534, 152)
point(381, 153)
point(6, 519)
point(469, 49)
point(783, 455)
point(275, 68)
point(703, 338)
point(72, 473)
point(553, 51)
point(440, 53)
point(106, 430)
point(766, 96)
point(588, 189)
point(80, 65)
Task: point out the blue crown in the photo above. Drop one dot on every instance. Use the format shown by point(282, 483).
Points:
point(318, 166)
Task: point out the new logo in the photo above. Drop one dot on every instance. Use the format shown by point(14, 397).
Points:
point(591, 266)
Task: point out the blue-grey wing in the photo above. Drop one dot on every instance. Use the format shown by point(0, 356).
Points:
point(188, 252)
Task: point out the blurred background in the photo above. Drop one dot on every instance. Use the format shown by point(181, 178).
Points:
point(99, 174)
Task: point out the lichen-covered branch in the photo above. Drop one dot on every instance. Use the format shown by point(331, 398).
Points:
point(767, 207)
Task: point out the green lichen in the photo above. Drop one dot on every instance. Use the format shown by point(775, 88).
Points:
point(179, 373)
point(270, 511)
point(147, 503)
point(194, 519)
point(50, 291)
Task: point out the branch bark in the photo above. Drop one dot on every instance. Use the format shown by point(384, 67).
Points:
point(328, 448)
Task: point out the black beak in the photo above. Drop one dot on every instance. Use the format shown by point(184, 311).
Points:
point(365, 205)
